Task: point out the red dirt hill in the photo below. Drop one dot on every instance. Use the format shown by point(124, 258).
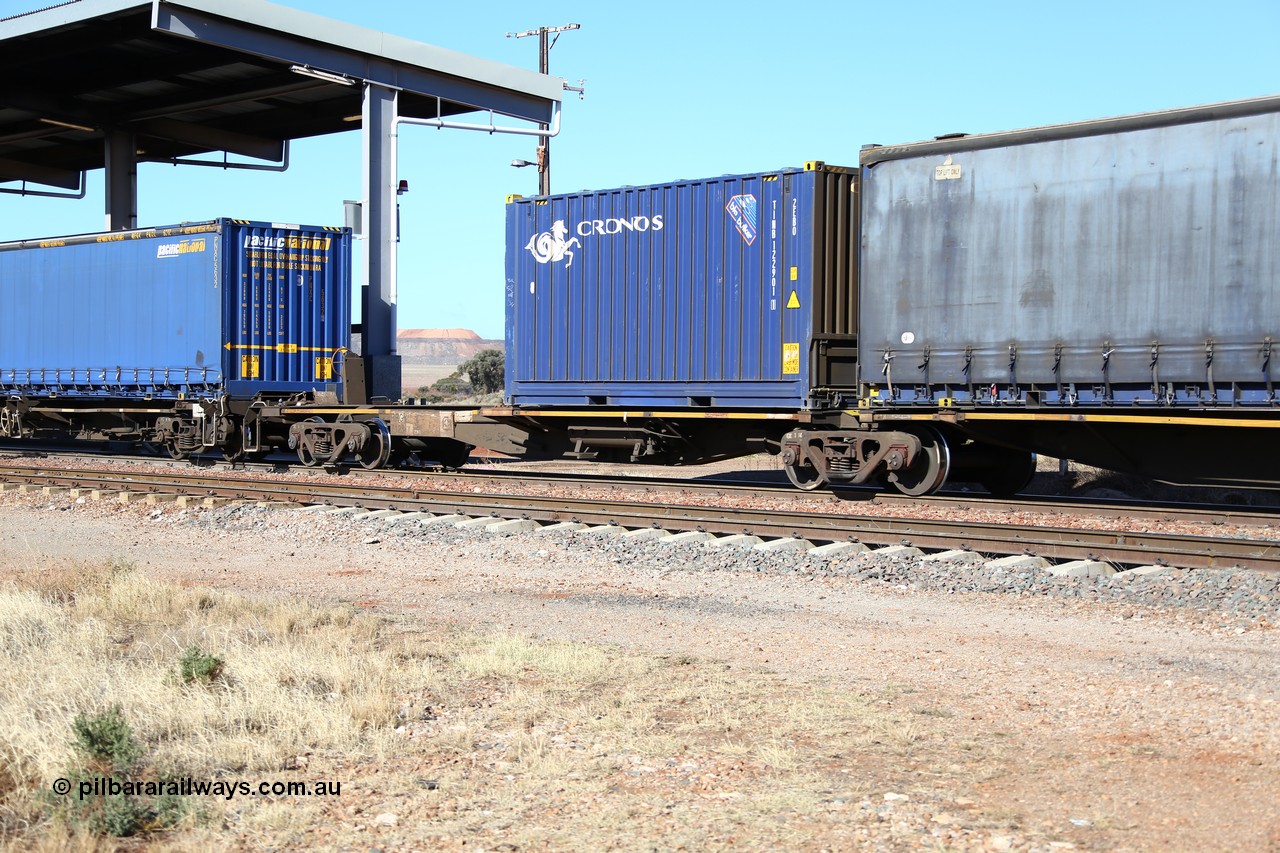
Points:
point(442, 346)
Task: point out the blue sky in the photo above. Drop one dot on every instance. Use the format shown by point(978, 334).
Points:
point(686, 90)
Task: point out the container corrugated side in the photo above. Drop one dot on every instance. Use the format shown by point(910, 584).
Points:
point(1136, 266)
point(176, 310)
point(688, 293)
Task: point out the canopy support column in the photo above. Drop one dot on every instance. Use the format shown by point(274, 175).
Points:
point(121, 151)
point(378, 293)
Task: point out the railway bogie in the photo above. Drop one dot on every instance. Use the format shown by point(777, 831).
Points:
point(201, 428)
point(240, 431)
point(915, 462)
point(320, 443)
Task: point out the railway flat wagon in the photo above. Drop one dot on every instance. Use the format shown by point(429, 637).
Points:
point(159, 333)
point(683, 321)
point(1105, 291)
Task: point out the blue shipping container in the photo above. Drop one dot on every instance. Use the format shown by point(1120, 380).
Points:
point(692, 293)
point(227, 306)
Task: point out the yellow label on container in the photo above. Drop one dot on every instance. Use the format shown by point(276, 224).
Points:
point(324, 368)
point(314, 243)
point(795, 273)
point(249, 367)
point(793, 301)
point(790, 359)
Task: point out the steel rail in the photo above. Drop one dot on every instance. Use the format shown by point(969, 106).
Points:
point(1199, 513)
point(1058, 543)
point(1046, 504)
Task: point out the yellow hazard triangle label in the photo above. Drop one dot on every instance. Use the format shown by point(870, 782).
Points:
point(793, 301)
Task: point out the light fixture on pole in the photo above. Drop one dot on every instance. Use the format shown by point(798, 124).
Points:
point(544, 62)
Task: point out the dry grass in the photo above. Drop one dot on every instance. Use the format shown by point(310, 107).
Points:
point(467, 739)
point(79, 640)
point(117, 641)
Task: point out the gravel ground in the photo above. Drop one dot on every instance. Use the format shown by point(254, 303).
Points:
point(1142, 715)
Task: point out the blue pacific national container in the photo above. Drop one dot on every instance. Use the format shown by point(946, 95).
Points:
point(728, 292)
point(227, 306)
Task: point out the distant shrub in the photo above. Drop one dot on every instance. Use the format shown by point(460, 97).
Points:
point(121, 816)
point(486, 370)
point(449, 385)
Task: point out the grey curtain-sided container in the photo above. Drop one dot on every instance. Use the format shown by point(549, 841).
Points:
point(1123, 261)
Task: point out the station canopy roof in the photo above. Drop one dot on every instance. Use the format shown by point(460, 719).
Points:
point(189, 77)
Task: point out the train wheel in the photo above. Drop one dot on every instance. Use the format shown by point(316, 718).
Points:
point(174, 450)
point(798, 461)
point(233, 449)
point(456, 457)
point(930, 468)
point(374, 454)
point(1011, 474)
point(805, 477)
point(377, 450)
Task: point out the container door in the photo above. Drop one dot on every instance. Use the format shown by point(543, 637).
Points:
point(287, 306)
point(827, 204)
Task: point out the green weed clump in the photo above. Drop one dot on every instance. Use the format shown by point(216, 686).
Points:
point(105, 739)
point(197, 666)
point(106, 743)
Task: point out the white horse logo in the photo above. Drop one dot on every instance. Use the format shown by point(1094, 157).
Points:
point(551, 246)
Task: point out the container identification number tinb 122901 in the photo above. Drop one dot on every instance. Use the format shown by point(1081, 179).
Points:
point(773, 256)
